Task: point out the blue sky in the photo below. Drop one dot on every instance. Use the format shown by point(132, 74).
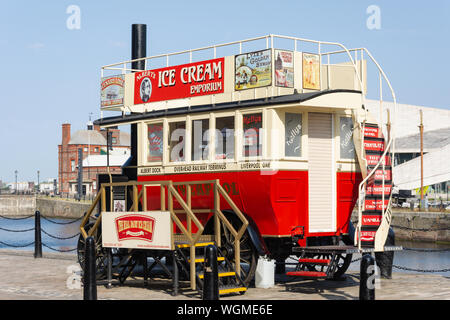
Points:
point(51, 74)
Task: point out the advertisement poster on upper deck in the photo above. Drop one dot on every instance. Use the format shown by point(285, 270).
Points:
point(179, 82)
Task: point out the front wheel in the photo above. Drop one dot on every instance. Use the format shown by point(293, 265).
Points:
point(248, 252)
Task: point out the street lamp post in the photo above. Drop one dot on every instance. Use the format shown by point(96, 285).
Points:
point(38, 181)
point(16, 181)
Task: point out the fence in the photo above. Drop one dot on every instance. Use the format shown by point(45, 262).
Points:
point(38, 232)
point(58, 237)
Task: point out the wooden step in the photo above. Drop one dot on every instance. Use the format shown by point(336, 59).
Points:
point(226, 289)
point(314, 261)
point(368, 235)
point(372, 132)
point(221, 274)
point(374, 144)
point(374, 158)
point(377, 190)
point(371, 204)
point(378, 175)
point(181, 238)
point(370, 219)
point(202, 259)
point(188, 245)
point(307, 274)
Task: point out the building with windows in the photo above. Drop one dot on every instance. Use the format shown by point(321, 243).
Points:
point(93, 143)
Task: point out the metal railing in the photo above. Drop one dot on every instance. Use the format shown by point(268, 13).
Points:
point(125, 66)
point(168, 188)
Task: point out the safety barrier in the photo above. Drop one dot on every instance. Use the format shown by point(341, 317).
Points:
point(294, 260)
point(38, 231)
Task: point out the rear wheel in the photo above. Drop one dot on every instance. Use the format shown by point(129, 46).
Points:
point(100, 252)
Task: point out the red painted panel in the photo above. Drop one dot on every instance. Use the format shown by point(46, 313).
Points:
point(347, 195)
point(276, 201)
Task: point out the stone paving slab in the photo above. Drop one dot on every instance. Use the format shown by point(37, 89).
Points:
point(25, 278)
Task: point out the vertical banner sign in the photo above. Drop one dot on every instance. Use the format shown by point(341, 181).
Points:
point(112, 91)
point(178, 82)
point(284, 68)
point(253, 70)
point(311, 71)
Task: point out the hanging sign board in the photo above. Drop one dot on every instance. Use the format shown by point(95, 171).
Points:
point(112, 91)
point(143, 230)
point(253, 70)
point(178, 82)
point(311, 71)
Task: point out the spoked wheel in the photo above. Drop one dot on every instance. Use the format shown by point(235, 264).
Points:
point(100, 252)
point(248, 256)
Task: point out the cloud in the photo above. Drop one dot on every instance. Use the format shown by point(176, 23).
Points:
point(36, 45)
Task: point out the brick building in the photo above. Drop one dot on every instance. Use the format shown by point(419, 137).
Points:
point(93, 143)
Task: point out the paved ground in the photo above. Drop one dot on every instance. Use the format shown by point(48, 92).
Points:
point(25, 278)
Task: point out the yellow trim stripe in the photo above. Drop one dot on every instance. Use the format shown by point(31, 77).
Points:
point(221, 274)
point(203, 259)
point(200, 244)
point(225, 291)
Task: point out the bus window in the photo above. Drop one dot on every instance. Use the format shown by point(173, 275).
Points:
point(293, 135)
point(155, 142)
point(224, 138)
point(177, 133)
point(200, 139)
point(252, 124)
point(347, 148)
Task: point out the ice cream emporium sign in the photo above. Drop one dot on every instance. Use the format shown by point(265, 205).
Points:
point(144, 230)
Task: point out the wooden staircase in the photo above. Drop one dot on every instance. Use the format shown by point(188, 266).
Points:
point(229, 281)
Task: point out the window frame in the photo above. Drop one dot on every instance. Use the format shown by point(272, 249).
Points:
point(190, 133)
point(187, 144)
point(216, 116)
point(240, 135)
point(145, 134)
point(304, 135)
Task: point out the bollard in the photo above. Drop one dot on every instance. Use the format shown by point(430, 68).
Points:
point(175, 272)
point(109, 268)
point(385, 259)
point(37, 235)
point(280, 266)
point(89, 280)
point(366, 284)
point(211, 275)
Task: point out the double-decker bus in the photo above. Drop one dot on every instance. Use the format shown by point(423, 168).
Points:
point(265, 150)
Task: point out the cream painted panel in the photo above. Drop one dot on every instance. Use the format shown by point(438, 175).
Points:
point(321, 172)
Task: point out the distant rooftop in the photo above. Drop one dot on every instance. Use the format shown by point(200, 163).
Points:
point(101, 160)
point(432, 140)
point(96, 138)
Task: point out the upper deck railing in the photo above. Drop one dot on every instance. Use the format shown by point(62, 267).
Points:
point(270, 42)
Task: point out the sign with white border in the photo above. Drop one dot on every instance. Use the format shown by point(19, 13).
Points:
point(137, 230)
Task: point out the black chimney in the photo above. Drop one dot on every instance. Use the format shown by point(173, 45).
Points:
point(138, 50)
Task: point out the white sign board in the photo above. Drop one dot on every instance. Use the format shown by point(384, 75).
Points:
point(137, 230)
